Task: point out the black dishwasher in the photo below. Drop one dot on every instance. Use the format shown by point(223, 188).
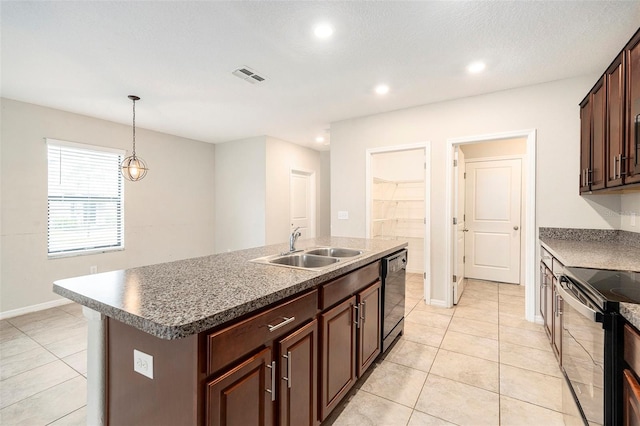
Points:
point(394, 268)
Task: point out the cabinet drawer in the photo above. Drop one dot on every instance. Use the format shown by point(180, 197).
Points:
point(632, 347)
point(343, 287)
point(231, 343)
point(546, 257)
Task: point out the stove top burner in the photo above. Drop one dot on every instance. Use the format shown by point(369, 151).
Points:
point(630, 294)
point(610, 286)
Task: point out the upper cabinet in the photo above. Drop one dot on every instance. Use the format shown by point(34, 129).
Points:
point(609, 117)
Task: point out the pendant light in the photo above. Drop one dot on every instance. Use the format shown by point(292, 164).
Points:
point(134, 168)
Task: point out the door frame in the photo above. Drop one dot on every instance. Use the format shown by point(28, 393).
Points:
point(312, 196)
point(427, 202)
point(529, 212)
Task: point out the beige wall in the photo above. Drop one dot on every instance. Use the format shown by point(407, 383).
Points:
point(549, 108)
point(498, 148)
point(240, 185)
point(324, 210)
point(168, 215)
point(629, 207)
point(281, 158)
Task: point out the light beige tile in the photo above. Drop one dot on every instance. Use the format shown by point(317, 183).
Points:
point(479, 295)
point(466, 369)
point(47, 406)
point(530, 359)
point(515, 412)
point(478, 314)
point(19, 345)
point(419, 418)
point(412, 354)
point(24, 361)
point(512, 309)
point(429, 318)
point(8, 332)
point(77, 361)
point(423, 334)
point(77, 418)
point(36, 380)
point(76, 342)
point(422, 306)
point(511, 299)
point(366, 409)
point(473, 302)
point(518, 321)
point(41, 320)
point(512, 289)
point(474, 327)
point(45, 337)
point(467, 344)
point(532, 387)
point(458, 403)
point(396, 383)
point(410, 304)
point(73, 309)
point(518, 336)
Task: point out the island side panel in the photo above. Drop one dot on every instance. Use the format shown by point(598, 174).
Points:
point(170, 398)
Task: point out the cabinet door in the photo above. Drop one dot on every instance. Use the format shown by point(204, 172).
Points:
point(632, 53)
point(630, 399)
point(557, 322)
point(585, 143)
point(598, 131)
point(299, 377)
point(615, 138)
point(338, 364)
point(243, 395)
point(369, 333)
point(542, 296)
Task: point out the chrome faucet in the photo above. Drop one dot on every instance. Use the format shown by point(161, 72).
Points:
point(292, 239)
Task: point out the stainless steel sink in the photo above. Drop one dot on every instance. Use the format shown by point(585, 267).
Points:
point(334, 252)
point(307, 261)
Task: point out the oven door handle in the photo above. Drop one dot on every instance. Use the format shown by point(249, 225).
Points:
point(584, 310)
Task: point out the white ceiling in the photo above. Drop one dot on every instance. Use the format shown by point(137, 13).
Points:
point(87, 56)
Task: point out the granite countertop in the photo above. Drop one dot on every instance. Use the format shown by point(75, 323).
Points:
point(631, 312)
point(181, 298)
point(594, 254)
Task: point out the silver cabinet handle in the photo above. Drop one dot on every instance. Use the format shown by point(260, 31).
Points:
point(282, 324)
point(288, 377)
point(515, 228)
point(362, 311)
point(272, 391)
point(356, 322)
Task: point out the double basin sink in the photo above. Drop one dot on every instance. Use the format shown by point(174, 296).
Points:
point(311, 259)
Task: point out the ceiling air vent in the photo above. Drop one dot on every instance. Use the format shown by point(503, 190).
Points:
point(249, 75)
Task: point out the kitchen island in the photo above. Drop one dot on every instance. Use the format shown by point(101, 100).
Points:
point(197, 324)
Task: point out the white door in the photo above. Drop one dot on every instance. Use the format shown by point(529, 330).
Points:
point(459, 228)
point(302, 203)
point(492, 205)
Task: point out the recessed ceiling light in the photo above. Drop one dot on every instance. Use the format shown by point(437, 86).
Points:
point(476, 67)
point(382, 89)
point(323, 30)
point(319, 139)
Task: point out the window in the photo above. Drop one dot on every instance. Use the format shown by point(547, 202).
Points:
point(85, 199)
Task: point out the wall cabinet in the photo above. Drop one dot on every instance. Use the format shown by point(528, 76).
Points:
point(609, 120)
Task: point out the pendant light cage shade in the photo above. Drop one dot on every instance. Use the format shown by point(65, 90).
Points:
point(134, 168)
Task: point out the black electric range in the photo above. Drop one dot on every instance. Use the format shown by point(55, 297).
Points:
point(591, 344)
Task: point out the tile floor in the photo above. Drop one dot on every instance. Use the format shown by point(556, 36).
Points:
point(479, 363)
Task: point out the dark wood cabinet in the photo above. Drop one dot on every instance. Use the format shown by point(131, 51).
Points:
point(615, 123)
point(369, 323)
point(630, 399)
point(585, 144)
point(243, 395)
point(596, 175)
point(338, 337)
point(632, 65)
point(298, 354)
point(547, 301)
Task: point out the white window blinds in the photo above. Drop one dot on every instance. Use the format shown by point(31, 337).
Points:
point(85, 199)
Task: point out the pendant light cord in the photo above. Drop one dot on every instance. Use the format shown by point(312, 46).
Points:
point(134, 128)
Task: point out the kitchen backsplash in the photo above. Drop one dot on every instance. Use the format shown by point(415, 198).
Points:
point(626, 238)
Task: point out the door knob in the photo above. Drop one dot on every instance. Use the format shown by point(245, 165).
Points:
point(465, 230)
point(515, 228)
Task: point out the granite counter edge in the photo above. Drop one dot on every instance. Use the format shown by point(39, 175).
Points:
point(172, 332)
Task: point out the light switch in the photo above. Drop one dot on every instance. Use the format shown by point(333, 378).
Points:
point(342, 214)
point(143, 363)
point(633, 218)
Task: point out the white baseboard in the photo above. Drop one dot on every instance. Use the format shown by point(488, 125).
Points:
point(438, 302)
point(538, 319)
point(33, 308)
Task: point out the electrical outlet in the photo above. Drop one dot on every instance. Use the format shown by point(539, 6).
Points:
point(143, 363)
point(343, 215)
point(633, 218)
point(93, 269)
